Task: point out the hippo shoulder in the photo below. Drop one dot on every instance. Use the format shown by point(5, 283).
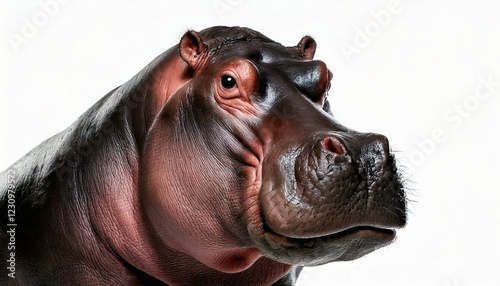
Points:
point(31, 178)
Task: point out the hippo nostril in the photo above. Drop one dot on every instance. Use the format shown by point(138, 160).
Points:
point(333, 145)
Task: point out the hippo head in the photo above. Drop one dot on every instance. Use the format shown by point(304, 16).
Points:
point(246, 161)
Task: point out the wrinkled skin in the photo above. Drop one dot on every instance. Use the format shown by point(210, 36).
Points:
point(220, 163)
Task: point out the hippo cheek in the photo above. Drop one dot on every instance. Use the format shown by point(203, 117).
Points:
point(321, 203)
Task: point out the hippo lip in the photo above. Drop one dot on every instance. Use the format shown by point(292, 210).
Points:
point(386, 235)
point(344, 245)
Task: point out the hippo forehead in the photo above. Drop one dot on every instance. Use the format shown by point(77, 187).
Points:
point(226, 42)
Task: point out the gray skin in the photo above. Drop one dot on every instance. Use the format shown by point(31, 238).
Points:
point(219, 163)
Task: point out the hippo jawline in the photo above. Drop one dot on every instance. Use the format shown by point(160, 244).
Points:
point(330, 208)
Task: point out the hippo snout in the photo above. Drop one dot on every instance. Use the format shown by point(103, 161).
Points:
point(340, 184)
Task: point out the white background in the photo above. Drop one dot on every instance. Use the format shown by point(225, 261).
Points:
point(407, 79)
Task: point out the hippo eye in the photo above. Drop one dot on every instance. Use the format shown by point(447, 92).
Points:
point(228, 82)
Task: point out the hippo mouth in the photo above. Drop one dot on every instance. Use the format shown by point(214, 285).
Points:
point(342, 245)
point(382, 234)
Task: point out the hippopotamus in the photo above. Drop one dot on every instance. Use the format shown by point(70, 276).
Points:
point(219, 163)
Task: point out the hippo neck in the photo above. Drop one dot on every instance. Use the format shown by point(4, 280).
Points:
point(76, 174)
point(145, 94)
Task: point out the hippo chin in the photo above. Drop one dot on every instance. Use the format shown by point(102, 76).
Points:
point(219, 163)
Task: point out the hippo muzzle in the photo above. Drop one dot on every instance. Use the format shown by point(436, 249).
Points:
point(338, 197)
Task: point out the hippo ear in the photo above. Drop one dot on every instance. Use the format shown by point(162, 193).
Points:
point(191, 47)
point(307, 47)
